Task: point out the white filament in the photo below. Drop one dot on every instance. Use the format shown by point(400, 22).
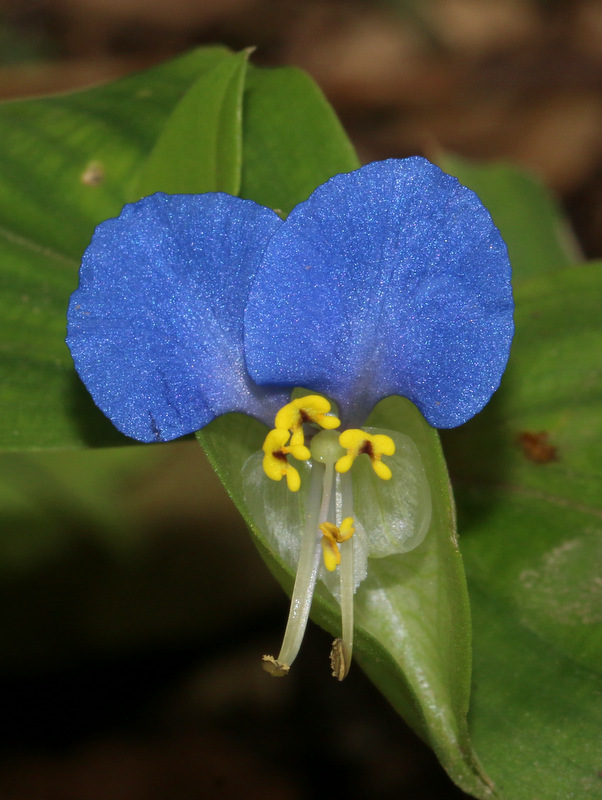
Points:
point(309, 563)
point(344, 503)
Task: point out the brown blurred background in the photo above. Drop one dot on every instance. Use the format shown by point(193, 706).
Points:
point(189, 714)
point(516, 79)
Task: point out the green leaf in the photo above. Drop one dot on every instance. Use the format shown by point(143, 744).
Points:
point(200, 147)
point(527, 473)
point(538, 237)
point(412, 613)
point(66, 163)
point(292, 139)
point(69, 162)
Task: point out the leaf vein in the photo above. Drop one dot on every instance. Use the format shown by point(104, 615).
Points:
point(22, 241)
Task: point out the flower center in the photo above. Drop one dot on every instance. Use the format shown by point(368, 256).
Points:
point(288, 437)
point(329, 523)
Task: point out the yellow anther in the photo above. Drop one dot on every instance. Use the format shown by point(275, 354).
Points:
point(375, 446)
point(332, 538)
point(275, 462)
point(312, 408)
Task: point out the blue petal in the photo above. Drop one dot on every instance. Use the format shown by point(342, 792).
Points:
point(156, 325)
point(388, 280)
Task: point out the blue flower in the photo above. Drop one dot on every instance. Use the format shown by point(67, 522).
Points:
point(391, 279)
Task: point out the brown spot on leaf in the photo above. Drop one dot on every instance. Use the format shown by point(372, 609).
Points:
point(537, 448)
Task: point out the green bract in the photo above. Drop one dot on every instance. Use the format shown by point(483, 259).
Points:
point(390, 517)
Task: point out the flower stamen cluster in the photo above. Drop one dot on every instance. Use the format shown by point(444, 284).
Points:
point(330, 497)
point(288, 437)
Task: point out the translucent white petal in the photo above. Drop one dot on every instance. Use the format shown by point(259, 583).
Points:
point(396, 514)
point(276, 511)
point(280, 514)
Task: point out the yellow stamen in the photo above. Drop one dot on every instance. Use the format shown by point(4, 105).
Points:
point(275, 462)
point(332, 538)
point(312, 408)
point(357, 442)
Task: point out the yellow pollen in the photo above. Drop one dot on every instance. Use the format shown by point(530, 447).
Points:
point(332, 538)
point(275, 462)
point(357, 442)
point(312, 408)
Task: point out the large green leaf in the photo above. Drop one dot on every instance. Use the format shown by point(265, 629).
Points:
point(68, 162)
point(527, 473)
point(412, 613)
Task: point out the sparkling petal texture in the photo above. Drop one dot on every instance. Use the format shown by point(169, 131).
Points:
point(388, 280)
point(156, 325)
